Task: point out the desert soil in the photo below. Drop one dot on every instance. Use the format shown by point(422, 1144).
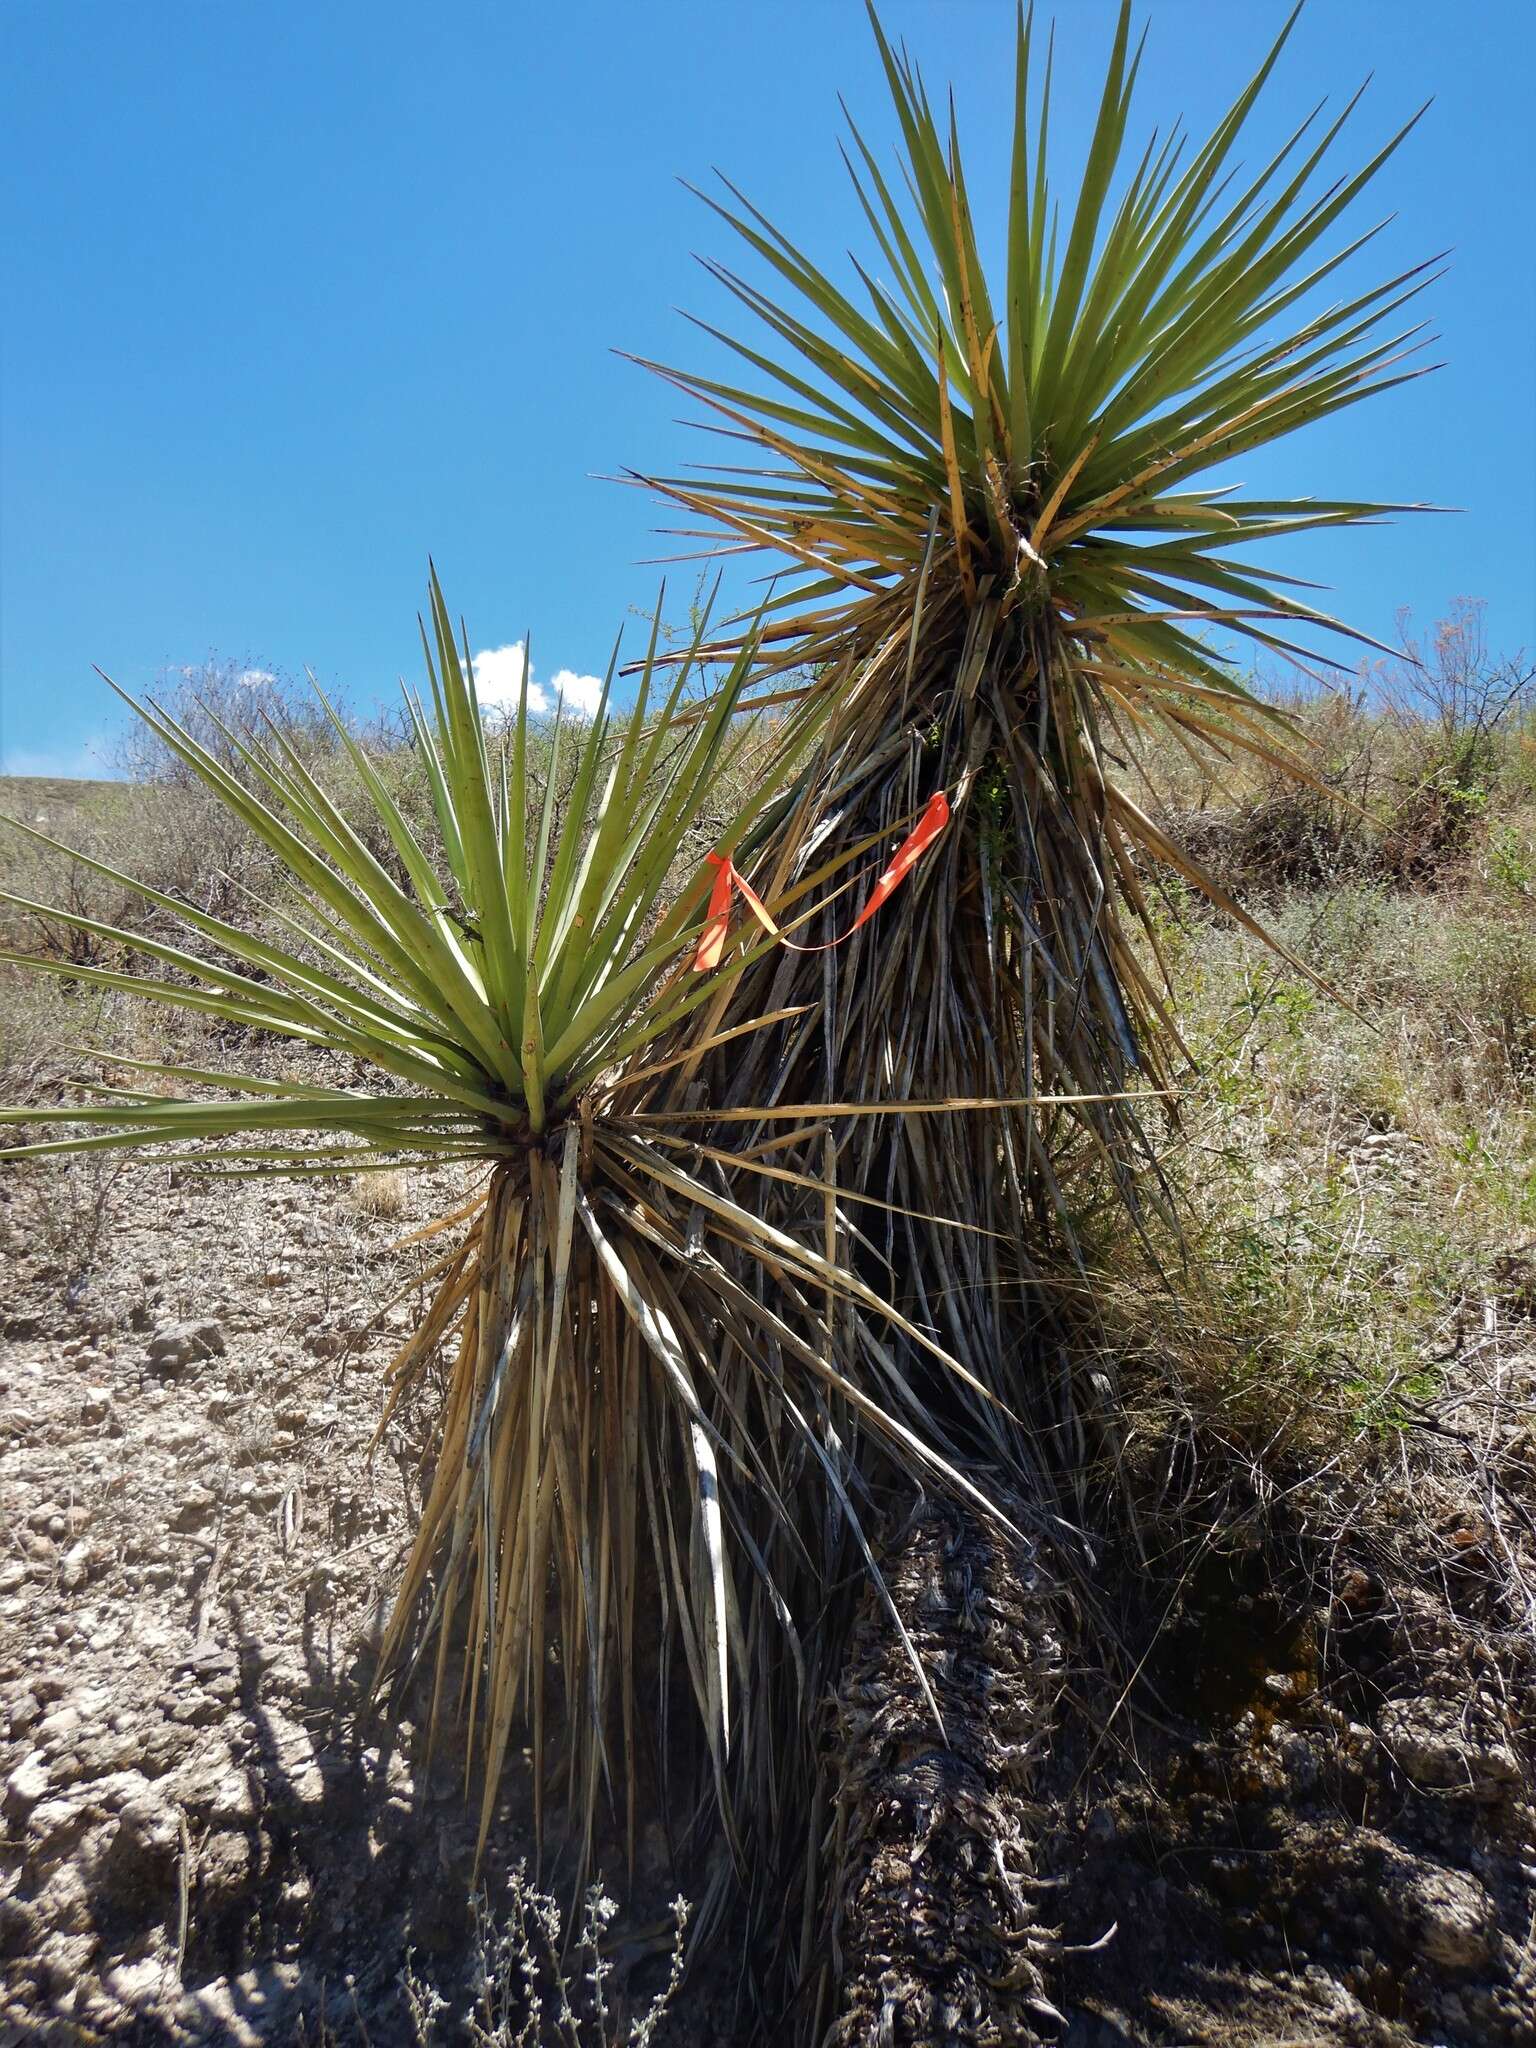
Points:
point(206, 1836)
point(1315, 1826)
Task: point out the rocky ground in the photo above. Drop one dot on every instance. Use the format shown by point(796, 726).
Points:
point(204, 1837)
point(1330, 1838)
point(1312, 1823)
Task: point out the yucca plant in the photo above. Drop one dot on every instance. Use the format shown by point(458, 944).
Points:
point(649, 1431)
point(1007, 547)
point(1004, 541)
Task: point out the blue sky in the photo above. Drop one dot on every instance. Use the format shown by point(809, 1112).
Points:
point(296, 295)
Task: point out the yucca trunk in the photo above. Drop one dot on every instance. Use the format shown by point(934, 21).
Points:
point(529, 1459)
point(933, 1927)
point(625, 1474)
point(954, 995)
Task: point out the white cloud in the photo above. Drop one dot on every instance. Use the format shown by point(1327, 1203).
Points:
point(253, 678)
point(582, 694)
point(499, 679)
point(499, 683)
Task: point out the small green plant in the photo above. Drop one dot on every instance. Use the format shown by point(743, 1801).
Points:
point(1511, 860)
point(534, 1988)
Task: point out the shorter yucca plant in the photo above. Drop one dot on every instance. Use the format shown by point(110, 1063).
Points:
point(645, 1375)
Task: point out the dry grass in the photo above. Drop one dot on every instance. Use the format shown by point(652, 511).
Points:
point(1355, 1170)
point(380, 1195)
point(1353, 1181)
point(1425, 779)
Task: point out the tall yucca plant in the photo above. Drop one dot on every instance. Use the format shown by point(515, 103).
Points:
point(1005, 551)
point(647, 1437)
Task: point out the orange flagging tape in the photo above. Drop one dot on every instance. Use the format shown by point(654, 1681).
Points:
point(728, 881)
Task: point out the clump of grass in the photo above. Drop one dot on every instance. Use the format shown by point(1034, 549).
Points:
point(39, 1022)
point(1423, 776)
point(60, 1213)
point(1348, 1177)
point(381, 1195)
